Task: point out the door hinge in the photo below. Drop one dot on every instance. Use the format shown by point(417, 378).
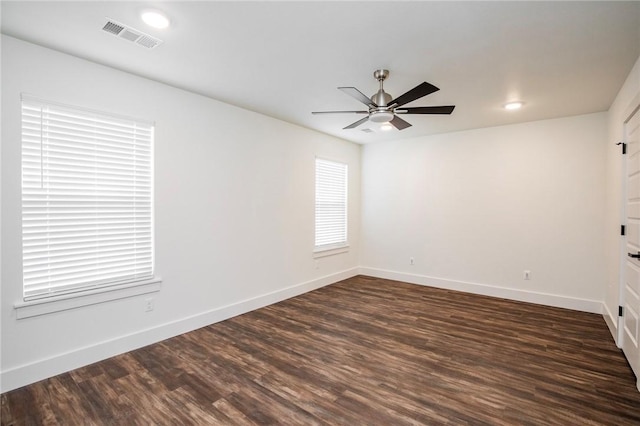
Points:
point(624, 147)
point(622, 230)
point(620, 311)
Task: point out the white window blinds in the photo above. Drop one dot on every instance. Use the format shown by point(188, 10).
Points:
point(87, 199)
point(331, 204)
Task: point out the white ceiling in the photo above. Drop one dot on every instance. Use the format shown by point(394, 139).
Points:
point(286, 59)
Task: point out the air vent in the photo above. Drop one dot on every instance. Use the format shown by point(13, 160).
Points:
point(367, 130)
point(127, 34)
point(148, 42)
point(112, 28)
point(130, 34)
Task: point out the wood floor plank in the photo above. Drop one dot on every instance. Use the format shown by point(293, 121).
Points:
point(362, 351)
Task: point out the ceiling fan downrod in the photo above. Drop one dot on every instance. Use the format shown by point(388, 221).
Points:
point(381, 113)
point(381, 98)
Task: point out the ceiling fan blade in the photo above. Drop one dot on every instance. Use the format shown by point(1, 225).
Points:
point(356, 124)
point(399, 123)
point(339, 112)
point(358, 95)
point(422, 89)
point(448, 109)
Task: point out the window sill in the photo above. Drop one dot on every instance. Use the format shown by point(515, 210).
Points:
point(65, 302)
point(329, 251)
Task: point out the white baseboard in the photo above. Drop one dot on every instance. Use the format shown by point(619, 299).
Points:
point(585, 305)
point(33, 372)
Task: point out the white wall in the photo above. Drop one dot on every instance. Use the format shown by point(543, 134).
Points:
point(477, 208)
point(234, 213)
point(627, 99)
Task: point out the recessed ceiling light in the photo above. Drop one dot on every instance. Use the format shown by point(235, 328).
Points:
point(155, 19)
point(386, 127)
point(513, 105)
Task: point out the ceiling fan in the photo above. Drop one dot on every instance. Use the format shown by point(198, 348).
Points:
point(382, 108)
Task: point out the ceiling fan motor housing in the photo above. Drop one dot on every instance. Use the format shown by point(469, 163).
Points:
point(381, 98)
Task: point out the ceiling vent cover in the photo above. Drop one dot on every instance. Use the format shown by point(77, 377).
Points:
point(131, 34)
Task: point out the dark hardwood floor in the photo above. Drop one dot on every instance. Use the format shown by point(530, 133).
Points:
point(363, 351)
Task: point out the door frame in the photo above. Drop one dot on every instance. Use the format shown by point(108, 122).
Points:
point(632, 108)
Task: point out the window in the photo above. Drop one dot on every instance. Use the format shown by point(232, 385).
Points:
point(87, 200)
point(331, 205)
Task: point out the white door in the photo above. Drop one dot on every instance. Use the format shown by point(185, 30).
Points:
point(631, 291)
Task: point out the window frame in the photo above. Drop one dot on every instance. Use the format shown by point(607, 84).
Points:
point(93, 290)
point(338, 247)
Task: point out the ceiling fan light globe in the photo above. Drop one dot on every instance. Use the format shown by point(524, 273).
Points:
point(381, 116)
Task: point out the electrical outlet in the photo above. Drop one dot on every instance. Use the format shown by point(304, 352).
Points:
point(412, 261)
point(148, 307)
point(527, 275)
